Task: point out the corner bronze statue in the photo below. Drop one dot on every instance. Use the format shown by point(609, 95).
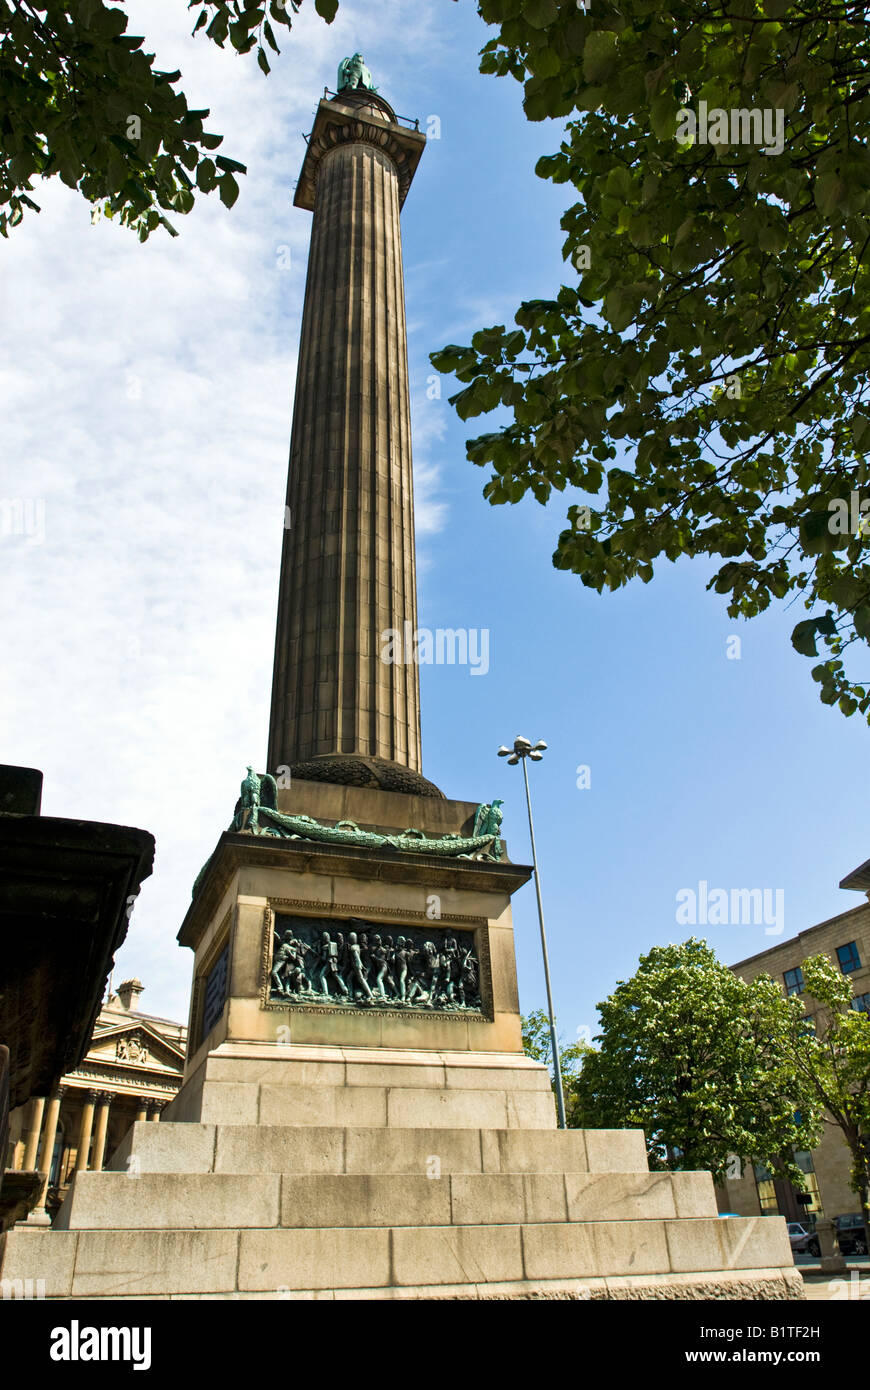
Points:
point(352, 72)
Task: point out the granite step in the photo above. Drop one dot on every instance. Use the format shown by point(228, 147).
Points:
point(741, 1257)
point(324, 1149)
point(207, 1201)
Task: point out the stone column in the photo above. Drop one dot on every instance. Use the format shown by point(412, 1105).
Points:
point(38, 1216)
point(32, 1133)
point(85, 1128)
point(141, 1110)
point(348, 568)
point(154, 1109)
point(104, 1100)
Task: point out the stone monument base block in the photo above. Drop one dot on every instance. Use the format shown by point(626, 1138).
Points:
point(261, 1084)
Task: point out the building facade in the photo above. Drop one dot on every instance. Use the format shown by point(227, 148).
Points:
point(846, 940)
point(132, 1069)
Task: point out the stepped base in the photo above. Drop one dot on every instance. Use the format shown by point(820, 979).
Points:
point(381, 1175)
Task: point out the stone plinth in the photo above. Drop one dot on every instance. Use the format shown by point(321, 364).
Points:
point(255, 882)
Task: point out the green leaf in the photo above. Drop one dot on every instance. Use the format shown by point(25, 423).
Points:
point(599, 55)
point(327, 9)
point(803, 637)
point(828, 193)
point(229, 190)
point(861, 432)
point(540, 13)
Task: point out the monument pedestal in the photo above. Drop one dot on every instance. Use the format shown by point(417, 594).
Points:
point(325, 1145)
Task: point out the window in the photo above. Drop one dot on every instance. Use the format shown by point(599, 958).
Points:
point(861, 1003)
point(794, 981)
point(848, 957)
point(766, 1190)
point(811, 1184)
point(767, 1196)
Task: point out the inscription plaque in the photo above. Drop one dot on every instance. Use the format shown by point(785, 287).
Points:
point(215, 992)
point(351, 963)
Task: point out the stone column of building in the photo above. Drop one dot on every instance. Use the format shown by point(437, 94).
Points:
point(104, 1100)
point(46, 1152)
point(32, 1133)
point(141, 1111)
point(85, 1129)
point(154, 1109)
point(339, 712)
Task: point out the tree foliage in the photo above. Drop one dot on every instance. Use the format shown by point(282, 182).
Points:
point(696, 1058)
point(538, 1044)
point(80, 99)
point(702, 377)
point(835, 1062)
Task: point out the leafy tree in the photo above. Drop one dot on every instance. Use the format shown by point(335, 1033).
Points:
point(697, 1058)
point(702, 377)
point(538, 1044)
point(81, 100)
point(835, 1062)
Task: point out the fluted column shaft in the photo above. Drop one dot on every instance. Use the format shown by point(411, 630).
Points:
point(34, 1129)
point(86, 1125)
point(347, 570)
point(46, 1151)
point(101, 1128)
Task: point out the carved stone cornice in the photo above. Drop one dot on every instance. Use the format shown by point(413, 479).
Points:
point(235, 851)
point(334, 133)
point(369, 121)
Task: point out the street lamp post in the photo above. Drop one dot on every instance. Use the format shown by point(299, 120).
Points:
point(522, 750)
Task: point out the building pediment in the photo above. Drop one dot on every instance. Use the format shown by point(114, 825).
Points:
point(135, 1043)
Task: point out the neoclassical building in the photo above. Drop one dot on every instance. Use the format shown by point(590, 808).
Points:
point(132, 1069)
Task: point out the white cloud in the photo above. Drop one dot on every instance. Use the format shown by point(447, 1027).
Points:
point(147, 399)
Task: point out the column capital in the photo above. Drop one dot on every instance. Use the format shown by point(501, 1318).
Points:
point(359, 118)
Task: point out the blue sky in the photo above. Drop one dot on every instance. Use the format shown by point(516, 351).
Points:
point(147, 402)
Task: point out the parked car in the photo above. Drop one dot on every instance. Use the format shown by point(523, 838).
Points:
point(851, 1236)
point(803, 1242)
